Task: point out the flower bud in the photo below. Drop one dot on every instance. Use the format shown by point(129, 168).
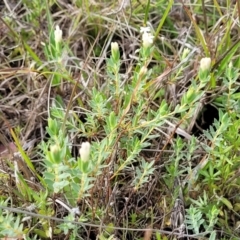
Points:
point(85, 151)
point(185, 53)
point(205, 64)
point(143, 71)
point(114, 46)
point(58, 34)
point(55, 152)
point(115, 50)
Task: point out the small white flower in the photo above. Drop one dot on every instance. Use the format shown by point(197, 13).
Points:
point(58, 34)
point(147, 36)
point(205, 64)
point(115, 50)
point(114, 46)
point(147, 39)
point(85, 151)
point(145, 30)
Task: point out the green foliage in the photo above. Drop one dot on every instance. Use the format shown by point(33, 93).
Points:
point(65, 227)
point(194, 219)
point(9, 224)
point(118, 139)
point(142, 174)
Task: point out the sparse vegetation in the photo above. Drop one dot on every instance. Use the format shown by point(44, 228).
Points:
point(119, 120)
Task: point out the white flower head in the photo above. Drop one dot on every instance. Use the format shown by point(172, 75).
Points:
point(205, 64)
point(58, 34)
point(147, 37)
point(85, 151)
point(114, 46)
point(145, 30)
point(115, 50)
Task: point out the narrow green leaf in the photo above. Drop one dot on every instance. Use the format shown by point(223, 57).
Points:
point(166, 13)
point(227, 203)
point(24, 155)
